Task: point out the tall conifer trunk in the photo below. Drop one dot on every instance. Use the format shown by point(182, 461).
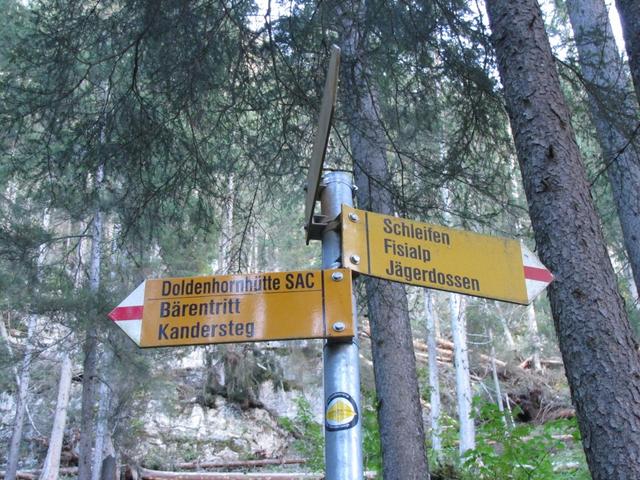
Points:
point(457, 317)
point(598, 349)
point(90, 348)
point(25, 373)
point(629, 11)
point(508, 336)
point(399, 410)
point(434, 383)
point(464, 395)
point(21, 403)
point(496, 380)
point(603, 69)
point(225, 243)
point(52, 461)
point(102, 420)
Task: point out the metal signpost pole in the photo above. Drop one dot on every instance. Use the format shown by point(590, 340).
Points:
point(343, 415)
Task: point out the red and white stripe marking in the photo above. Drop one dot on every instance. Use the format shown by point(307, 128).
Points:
point(536, 275)
point(128, 315)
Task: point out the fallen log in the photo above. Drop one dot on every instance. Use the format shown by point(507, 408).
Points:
point(241, 463)
point(440, 358)
point(549, 362)
point(34, 473)
point(23, 475)
point(147, 474)
point(566, 467)
point(447, 346)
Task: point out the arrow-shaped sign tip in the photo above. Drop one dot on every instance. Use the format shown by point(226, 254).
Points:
point(128, 315)
point(536, 275)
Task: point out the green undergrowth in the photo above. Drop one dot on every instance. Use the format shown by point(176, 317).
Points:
point(504, 450)
point(309, 440)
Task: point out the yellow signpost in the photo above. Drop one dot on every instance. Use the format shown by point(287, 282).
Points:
point(443, 258)
point(238, 308)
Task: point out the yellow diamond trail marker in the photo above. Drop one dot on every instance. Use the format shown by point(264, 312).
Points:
point(238, 308)
point(443, 258)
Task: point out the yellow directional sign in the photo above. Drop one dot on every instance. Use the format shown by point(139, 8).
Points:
point(238, 308)
point(442, 258)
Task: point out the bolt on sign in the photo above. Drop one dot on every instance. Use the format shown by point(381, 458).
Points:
point(443, 258)
point(238, 308)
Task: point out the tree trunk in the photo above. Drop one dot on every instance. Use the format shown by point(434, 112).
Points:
point(597, 345)
point(534, 338)
point(399, 410)
point(21, 403)
point(464, 396)
point(25, 374)
point(225, 242)
point(629, 11)
point(606, 78)
point(633, 289)
point(52, 461)
point(457, 314)
point(496, 380)
point(90, 349)
point(109, 468)
point(511, 344)
point(16, 374)
point(102, 418)
point(434, 383)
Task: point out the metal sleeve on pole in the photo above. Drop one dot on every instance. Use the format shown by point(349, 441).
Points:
point(343, 430)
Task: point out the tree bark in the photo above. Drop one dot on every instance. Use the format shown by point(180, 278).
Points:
point(629, 11)
point(109, 468)
point(597, 345)
point(51, 467)
point(633, 289)
point(606, 79)
point(399, 410)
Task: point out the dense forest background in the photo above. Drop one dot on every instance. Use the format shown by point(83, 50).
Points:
point(144, 139)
